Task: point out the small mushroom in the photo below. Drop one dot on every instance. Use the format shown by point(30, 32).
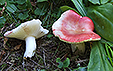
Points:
point(28, 31)
point(75, 29)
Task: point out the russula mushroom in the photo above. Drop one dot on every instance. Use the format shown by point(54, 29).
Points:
point(28, 31)
point(75, 29)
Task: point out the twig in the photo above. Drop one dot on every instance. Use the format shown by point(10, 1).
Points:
point(52, 63)
point(80, 61)
point(2, 53)
point(37, 64)
point(44, 58)
point(6, 57)
point(10, 66)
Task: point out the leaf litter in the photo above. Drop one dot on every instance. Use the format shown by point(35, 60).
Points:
point(47, 51)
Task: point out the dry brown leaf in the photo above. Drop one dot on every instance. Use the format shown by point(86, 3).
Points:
point(17, 47)
point(2, 53)
point(5, 40)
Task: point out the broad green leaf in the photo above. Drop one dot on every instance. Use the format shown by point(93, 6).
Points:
point(23, 16)
point(102, 17)
point(66, 63)
point(95, 1)
point(104, 1)
point(65, 8)
point(98, 60)
point(41, 0)
point(49, 35)
point(2, 2)
point(58, 60)
point(80, 7)
point(99, 1)
point(60, 64)
point(11, 8)
point(21, 1)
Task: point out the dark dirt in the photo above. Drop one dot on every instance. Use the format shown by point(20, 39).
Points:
point(48, 50)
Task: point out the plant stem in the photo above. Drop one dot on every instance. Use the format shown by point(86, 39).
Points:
point(30, 47)
point(79, 48)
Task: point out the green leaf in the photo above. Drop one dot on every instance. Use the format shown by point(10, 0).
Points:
point(21, 1)
point(95, 1)
point(23, 16)
point(22, 7)
point(49, 35)
point(28, 4)
point(43, 70)
point(98, 60)
point(41, 0)
point(65, 8)
point(111, 1)
point(80, 69)
point(66, 63)
point(2, 21)
point(11, 8)
point(109, 53)
point(39, 11)
point(2, 2)
point(104, 42)
point(80, 7)
point(42, 5)
point(58, 60)
point(1, 9)
point(102, 17)
point(99, 1)
point(104, 1)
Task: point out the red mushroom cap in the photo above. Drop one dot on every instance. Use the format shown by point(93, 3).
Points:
point(73, 28)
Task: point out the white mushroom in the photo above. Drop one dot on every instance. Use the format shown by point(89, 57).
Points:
point(28, 31)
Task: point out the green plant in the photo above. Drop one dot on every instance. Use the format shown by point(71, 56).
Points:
point(100, 11)
point(63, 64)
point(2, 21)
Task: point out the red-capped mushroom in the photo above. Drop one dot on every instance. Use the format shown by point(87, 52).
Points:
point(75, 29)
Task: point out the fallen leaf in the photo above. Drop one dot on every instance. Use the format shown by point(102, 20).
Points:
point(5, 40)
point(2, 53)
point(17, 47)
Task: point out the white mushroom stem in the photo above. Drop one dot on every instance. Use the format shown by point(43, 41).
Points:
point(79, 48)
point(30, 47)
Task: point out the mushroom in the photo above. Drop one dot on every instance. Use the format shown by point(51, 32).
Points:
point(28, 31)
point(75, 29)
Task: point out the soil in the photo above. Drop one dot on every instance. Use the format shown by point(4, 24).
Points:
point(48, 50)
